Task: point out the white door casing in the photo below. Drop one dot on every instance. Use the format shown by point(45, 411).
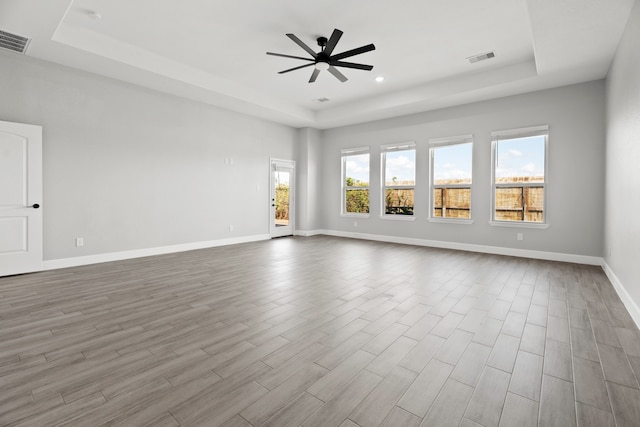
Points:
point(20, 198)
point(283, 174)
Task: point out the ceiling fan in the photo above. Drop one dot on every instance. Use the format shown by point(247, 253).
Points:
point(324, 60)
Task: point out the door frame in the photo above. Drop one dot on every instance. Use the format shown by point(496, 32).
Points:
point(29, 259)
point(290, 229)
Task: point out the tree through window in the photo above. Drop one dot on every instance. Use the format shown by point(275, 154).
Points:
point(399, 179)
point(355, 181)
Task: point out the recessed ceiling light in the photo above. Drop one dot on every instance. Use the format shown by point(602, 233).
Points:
point(379, 79)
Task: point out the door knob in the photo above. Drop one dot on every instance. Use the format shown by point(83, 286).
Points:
point(35, 206)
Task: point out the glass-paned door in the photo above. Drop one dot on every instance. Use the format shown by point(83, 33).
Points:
point(282, 190)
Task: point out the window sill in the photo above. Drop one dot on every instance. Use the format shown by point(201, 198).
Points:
point(451, 220)
point(355, 215)
point(399, 217)
point(515, 224)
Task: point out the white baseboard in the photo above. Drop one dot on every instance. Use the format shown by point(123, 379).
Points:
point(139, 253)
point(523, 253)
point(308, 233)
point(628, 302)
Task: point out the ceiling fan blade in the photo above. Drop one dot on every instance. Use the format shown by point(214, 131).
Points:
point(314, 75)
point(338, 75)
point(289, 56)
point(352, 65)
point(333, 41)
point(295, 68)
point(352, 52)
point(302, 45)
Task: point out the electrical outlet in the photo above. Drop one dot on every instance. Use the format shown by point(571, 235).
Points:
point(355, 223)
point(230, 227)
point(79, 242)
point(520, 236)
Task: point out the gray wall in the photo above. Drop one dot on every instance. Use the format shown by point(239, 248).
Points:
point(575, 182)
point(309, 183)
point(622, 222)
point(128, 168)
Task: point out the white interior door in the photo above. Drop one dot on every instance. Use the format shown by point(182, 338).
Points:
point(282, 211)
point(20, 198)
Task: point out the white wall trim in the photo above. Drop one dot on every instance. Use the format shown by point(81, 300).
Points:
point(523, 253)
point(628, 302)
point(139, 253)
point(308, 233)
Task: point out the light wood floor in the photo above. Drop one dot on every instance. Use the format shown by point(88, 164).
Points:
point(318, 331)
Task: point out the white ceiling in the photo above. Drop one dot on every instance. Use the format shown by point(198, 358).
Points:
point(214, 51)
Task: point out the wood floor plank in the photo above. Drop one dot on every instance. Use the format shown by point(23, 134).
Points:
point(424, 390)
point(526, 379)
point(488, 398)
point(488, 332)
point(588, 416)
point(400, 417)
point(590, 386)
point(329, 385)
point(272, 402)
point(388, 359)
point(519, 411)
point(335, 411)
point(284, 332)
point(626, 404)
point(380, 402)
point(533, 339)
point(503, 355)
point(470, 366)
point(294, 414)
point(557, 403)
point(449, 406)
point(557, 360)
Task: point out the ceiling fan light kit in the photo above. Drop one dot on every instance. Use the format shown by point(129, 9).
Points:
point(324, 60)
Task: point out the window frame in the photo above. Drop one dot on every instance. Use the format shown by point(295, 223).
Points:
point(345, 153)
point(496, 137)
point(445, 142)
point(389, 148)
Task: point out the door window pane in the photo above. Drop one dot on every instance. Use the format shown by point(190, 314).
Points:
point(282, 198)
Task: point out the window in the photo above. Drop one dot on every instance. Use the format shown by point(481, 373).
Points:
point(399, 178)
point(355, 181)
point(519, 175)
point(451, 160)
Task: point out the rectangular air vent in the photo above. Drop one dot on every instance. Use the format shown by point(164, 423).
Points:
point(481, 57)
point(13, 42)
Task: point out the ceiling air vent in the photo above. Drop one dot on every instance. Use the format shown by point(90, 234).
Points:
point(13, 42)
point(481, 57)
